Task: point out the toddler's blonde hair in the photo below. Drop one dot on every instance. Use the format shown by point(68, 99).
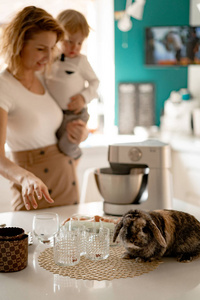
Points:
point(73, 21)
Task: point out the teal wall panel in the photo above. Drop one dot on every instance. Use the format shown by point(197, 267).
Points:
point(129, 62)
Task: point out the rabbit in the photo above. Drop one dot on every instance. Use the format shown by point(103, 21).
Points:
point(148, 236)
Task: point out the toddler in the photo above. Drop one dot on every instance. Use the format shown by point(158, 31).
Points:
point(72, 81)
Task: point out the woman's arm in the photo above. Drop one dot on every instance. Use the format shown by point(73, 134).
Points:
point(31, 184)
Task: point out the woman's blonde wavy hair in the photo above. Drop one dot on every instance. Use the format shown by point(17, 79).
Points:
point(28, 22)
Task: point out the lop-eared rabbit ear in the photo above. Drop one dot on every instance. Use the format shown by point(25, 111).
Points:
point(157, 234)
point(117, 230)
point(126, 219)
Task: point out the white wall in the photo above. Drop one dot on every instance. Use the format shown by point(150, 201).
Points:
point(194, 71)
point(105, 58)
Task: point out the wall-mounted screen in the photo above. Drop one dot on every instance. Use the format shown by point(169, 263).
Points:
point(172, 45)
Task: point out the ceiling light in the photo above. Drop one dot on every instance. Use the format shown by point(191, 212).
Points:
point(125, 23)
point(136, 9)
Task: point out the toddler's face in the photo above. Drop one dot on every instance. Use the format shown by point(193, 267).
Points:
point(72, 44)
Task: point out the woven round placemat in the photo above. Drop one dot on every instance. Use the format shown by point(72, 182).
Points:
point(114, 267)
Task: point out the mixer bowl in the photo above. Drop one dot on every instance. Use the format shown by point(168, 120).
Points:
point(118, 188)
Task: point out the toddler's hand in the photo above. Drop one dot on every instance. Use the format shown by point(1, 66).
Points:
point(76, 131)
point(77, 103)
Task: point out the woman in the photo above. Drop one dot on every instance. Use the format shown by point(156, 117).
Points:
point(29, 117)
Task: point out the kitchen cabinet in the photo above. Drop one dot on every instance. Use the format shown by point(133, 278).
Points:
point(185, 166)
point(186, 176)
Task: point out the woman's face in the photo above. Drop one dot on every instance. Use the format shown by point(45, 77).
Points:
point(36, 52)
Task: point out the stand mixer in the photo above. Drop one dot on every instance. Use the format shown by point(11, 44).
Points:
point(139, 177)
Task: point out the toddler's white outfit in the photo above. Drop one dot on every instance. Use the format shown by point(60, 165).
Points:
point(71, 76)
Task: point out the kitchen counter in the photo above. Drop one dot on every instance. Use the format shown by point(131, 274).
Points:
point(177, 141)
point(170, 281)
point(181, 142)
point(95, 153)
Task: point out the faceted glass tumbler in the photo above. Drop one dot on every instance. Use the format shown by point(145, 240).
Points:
point(67, 248)
point(76, 226)
point(97, 243)
point(110, 223)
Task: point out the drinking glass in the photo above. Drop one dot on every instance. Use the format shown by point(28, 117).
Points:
point(97, 243)
point(73, 225)
point(80, 222)
point(45, 226)
point(67, 248)
point(110, 223)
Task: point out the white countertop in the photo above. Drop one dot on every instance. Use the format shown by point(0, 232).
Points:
point(177, 141)
point(170, 281)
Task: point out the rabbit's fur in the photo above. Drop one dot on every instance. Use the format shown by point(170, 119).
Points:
point(147, 236)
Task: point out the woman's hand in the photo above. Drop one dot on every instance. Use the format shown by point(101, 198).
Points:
point(31, 186)
point(77, 131)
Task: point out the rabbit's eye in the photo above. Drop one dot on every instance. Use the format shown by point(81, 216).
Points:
point(145, 229)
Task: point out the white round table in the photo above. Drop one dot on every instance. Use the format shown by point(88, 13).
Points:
point(171, 280)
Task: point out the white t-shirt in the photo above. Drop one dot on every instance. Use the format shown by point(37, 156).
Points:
point(69, 77)
point(32, 119)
